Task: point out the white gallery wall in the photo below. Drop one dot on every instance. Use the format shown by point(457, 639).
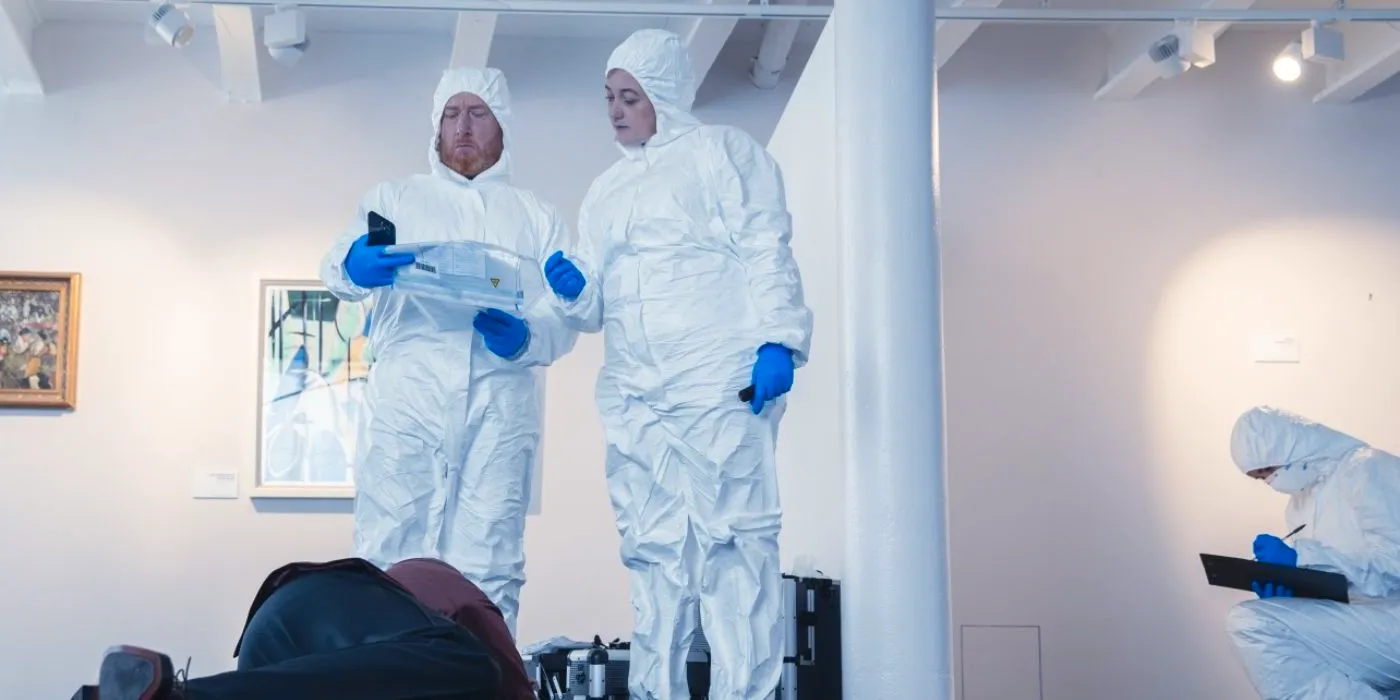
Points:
point(1106, 268)
point(173, 203)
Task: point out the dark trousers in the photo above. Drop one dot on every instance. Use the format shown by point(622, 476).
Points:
point(346, 635)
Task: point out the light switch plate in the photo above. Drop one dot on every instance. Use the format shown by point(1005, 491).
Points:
point(1275, 348)
point(212, 484)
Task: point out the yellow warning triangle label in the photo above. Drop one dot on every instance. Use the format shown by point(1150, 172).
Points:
point(495, 282)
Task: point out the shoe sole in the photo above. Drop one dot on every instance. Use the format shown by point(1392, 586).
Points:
point(133, 673)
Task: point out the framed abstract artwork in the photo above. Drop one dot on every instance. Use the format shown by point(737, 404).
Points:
point(39, 339)
point(313, 363)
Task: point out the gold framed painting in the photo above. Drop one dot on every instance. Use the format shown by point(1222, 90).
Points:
point(39, 339)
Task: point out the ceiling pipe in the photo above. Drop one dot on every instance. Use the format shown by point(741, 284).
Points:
point(673, 8)
point(589, 8)
point(773, 52)
point(1055, 15)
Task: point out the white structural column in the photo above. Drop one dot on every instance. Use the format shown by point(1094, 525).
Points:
point(240, 57)
point(471, 45)
point(894, 602)
point(1372, 57)
point(18, 75)
point(704, 37)
point(951, 35)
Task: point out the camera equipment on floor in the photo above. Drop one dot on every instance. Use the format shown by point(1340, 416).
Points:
point(811, 622)
point(600, 673)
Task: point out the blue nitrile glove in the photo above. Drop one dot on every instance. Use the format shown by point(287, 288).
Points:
point(1271, 590)
point(772, 375)
point(504, 334)
point(1272, 550)
point(563, 276)
point(370, 266)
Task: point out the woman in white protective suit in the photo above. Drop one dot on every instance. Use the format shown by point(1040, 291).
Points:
point(683, 262)
point(453, 397)
point(1348, 495)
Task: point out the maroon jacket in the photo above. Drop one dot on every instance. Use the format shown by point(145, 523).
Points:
point(439, 587)
point(444, 589)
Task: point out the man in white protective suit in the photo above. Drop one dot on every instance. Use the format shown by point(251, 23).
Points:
point(1348, 495)
point(683, 262)
point(453, 396)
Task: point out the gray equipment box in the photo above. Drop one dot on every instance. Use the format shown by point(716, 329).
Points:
point(812, 628)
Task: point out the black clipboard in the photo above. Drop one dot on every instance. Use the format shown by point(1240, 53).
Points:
point(1240, 574)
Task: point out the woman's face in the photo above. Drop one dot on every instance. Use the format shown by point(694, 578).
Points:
point(1263, 473)
point(629, 109)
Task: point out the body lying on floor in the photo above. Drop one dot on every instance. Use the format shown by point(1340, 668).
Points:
point(347, 630)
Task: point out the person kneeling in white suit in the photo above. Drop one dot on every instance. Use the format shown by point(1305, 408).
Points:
point(1347, 493)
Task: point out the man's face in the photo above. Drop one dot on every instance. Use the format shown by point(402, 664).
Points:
point(632, 115)
point(469, 137)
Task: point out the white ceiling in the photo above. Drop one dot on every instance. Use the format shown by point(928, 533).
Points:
point(1175, 4)
point(241, 69)
point(1372, 53)
point(354, 20)
point(360, 20)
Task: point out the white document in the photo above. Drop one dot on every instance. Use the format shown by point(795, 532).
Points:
point(457, 260)
point(466, 272)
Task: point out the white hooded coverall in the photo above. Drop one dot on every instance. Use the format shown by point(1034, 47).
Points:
point(684, 246)
point(443, 467)
point(1348, 495)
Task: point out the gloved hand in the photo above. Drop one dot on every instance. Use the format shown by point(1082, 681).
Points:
point(504, 334)
point(564, 277)
point(772, 375)
point(1272, 550)
point(370, 266)
point(1270, 590)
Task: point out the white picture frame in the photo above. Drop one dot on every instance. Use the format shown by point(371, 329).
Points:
point(340, 415)
point(313, 362)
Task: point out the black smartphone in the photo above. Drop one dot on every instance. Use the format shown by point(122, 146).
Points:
point(381, 230)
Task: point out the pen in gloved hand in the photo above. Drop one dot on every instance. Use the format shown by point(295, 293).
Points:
point(1296, 530)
